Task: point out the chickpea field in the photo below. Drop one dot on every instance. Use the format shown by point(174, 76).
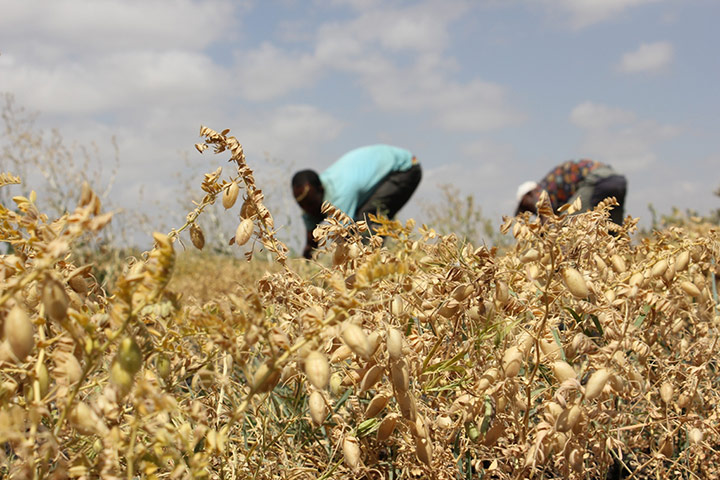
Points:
point(579, 351)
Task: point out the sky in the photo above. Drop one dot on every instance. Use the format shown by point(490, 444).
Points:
point(486, 93)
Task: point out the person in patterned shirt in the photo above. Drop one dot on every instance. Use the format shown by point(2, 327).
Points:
point(591, 181)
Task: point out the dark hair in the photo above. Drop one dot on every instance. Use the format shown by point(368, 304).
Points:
point(305, 177)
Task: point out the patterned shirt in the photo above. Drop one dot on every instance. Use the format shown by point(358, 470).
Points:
point(564, 180)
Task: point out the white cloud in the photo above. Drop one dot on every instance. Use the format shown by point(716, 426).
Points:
point(588, 12)
point(269, 72)
point(591, 115)
point(119, 82)
point(618, 137)
point(78, 27)
point(647, 58)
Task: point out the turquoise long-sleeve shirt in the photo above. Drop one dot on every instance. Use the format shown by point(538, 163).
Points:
point(349, 182)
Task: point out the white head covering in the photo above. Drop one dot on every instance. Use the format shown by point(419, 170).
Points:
point(524, 188)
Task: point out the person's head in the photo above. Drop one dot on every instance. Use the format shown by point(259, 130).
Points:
point(527, 197)
point(308, 191)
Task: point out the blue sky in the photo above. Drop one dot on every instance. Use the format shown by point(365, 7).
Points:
point(487, 93)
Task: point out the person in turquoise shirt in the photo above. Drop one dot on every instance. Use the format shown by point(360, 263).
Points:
point(372, 179)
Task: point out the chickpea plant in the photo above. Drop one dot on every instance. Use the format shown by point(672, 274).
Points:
point(575, 353)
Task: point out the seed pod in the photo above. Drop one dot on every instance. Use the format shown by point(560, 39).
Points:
point(681, 261)
point(374, 340)
point(162, 366)
point(690, 288)
point(316, 405)
point(530, 256)
point(317, 369)
point(563, 371)
point(695, 436)
point(637, 279)
point(55, 300)
point(230, 194)
point(461, 292)
point(449, 309)
point(69, 367)
point(568, 418)
point(666, 446)
point(596, 383)
point(386, 427)
point(397, 306)
point(554, 410)
point(244, 231)
point(575, 459)
point(669, 273)
point(550, 350)
point(86, 421)
point(492, 435)
point(472, 431)
point(121, 378)
point(355, 338)
point(372, 376)
point(659, 268)
point(43, 378)
point(423, 450)
point(575, 283)
point(666, 392)
point(512, 361)
point(600, 263)
point(336, 386)
point(129, 355)
point(502, 293)
point(618, 263)
point(376, 405)
point(394, 344)
point(400, 376)
point(197, 237)
point(78, 284)
point(264, 379)
point(19, 333)
point(684, 400)
point(406, 402)
point(340, 354)
point(488, 378)
point(351, 452)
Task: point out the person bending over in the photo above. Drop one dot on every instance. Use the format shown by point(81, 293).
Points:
point(372, 179)
point(591, 181)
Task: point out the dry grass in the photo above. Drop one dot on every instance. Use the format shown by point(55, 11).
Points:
point(573, 354)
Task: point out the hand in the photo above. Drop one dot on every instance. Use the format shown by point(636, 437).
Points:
point(307, 252)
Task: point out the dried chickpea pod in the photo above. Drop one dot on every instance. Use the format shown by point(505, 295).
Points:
point(371, 377)
point(659, 268)
point(681, 260)
point(317, 407)
point(512, 361)
point(54, 299)
point(197, 237)
point(356, 339)
point(575, 283)
point(690, 289)
point(19, 333)
point(351, 452)
point(244, 232)
point(563, 371)
point(387, 427)
point(423, 449)
point(230, 195)
point(596, 383)
point(618, 263)
point(377, 404)
point(568, 418)
point(317, 369)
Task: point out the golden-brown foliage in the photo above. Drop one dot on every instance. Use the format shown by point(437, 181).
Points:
point(432, 359)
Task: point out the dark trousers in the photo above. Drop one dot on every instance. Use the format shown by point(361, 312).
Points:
point(612, 186)
point(391, 193)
